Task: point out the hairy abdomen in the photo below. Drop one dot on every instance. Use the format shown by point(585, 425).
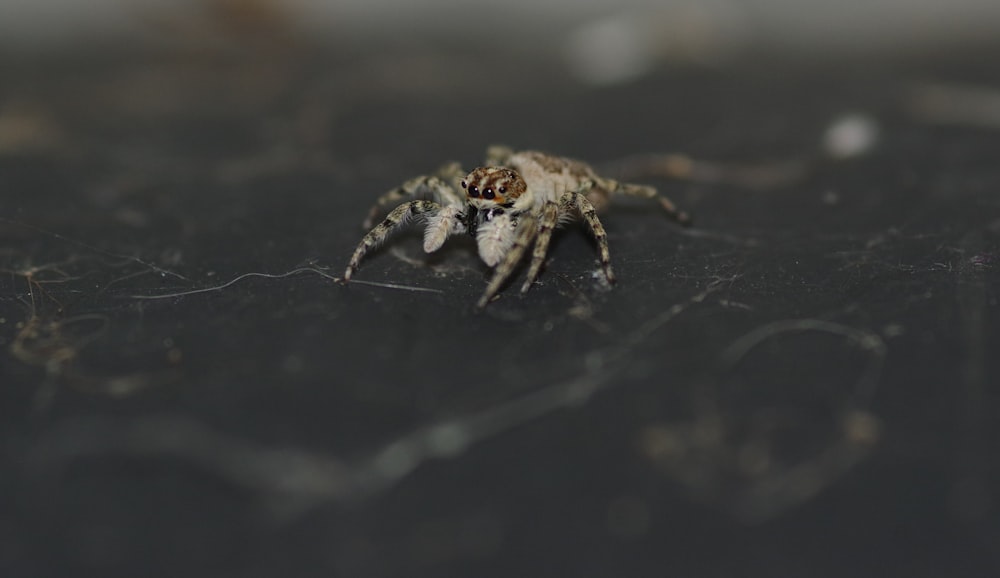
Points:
point(550, 177)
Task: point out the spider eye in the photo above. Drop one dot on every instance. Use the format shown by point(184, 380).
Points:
point(473, 191)
point(488, 194)
point(463, 184)
point(502, 190)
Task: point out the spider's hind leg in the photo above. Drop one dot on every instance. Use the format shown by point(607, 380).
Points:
point(647, 192)
point(498, 155)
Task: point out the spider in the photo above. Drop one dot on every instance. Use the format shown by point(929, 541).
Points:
point(517, 199)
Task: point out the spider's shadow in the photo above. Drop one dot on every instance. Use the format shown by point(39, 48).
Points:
point(458, 255)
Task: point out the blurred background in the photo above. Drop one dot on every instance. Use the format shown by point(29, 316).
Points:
point(798, 385)
point(593, 35)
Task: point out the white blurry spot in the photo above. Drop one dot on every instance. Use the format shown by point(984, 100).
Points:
point(850, 135)
point(626, 45)
point(397, 460)
point(610, 50)
point(447, 441)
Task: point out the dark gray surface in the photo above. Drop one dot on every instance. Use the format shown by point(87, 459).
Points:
point(802, 384)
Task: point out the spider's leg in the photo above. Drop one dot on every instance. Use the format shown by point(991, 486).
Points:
point(395, 219)
point(440, 187)
point(576, 202)
point(498, 155)
point(646, 192)
point(452, 173)
point(550, 217)
point(527, 231)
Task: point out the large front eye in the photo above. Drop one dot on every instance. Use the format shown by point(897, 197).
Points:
point(488, 194)
point(473, 191)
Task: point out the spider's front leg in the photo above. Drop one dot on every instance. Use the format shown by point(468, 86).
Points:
point(395, 219)
point(548, 222)
point(440, 187)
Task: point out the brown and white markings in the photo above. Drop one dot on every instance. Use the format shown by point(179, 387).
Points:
point(509, 206)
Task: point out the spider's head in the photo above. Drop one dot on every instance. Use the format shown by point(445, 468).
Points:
point(494, 185)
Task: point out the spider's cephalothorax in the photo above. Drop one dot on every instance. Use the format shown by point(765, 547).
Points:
point(509, 205)
point(494, 198)
point(497, 185)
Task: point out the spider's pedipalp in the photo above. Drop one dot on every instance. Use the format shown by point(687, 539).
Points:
point(395, 219)
point(442, 224)
point(495, 233)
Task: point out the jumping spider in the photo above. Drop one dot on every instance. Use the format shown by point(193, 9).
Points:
point(512, 202)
